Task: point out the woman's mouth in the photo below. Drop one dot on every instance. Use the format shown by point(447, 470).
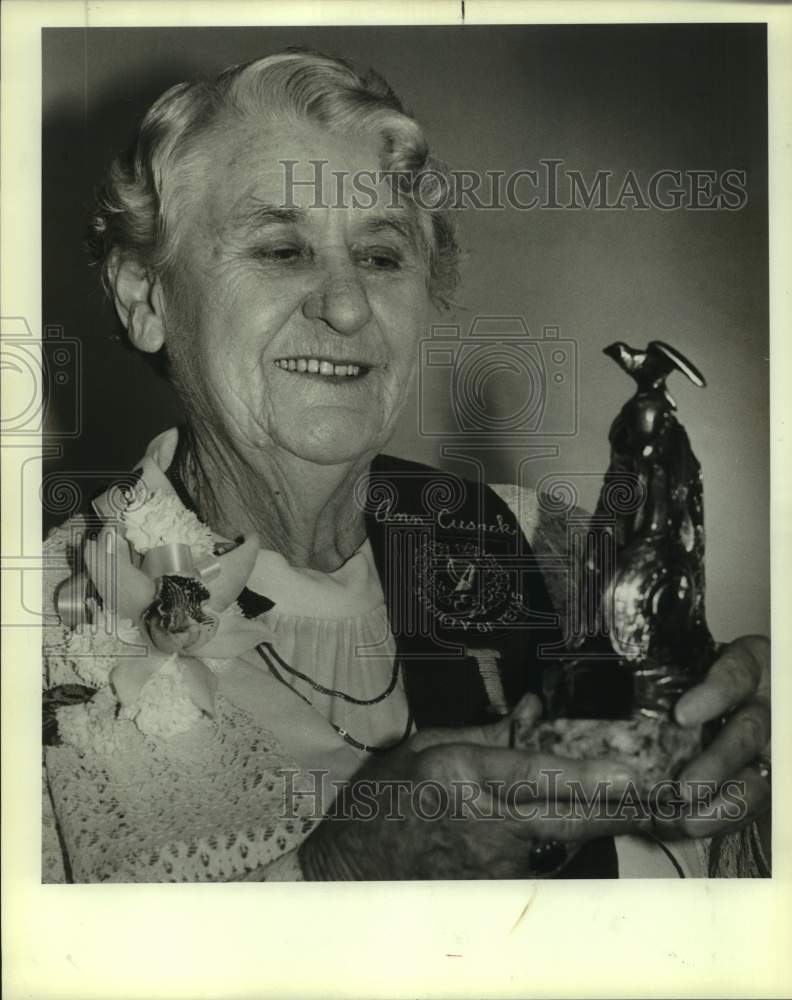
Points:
point(322, 366)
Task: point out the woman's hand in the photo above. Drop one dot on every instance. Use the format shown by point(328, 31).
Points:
point(381, 825)
point(737, 686)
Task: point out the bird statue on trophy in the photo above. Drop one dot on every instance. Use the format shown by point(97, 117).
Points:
point(646, 640)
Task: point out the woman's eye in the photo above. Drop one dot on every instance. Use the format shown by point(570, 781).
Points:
point(280, 254)
point(380, 260)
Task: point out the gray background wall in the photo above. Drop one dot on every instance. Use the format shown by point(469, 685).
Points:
point(601, 97)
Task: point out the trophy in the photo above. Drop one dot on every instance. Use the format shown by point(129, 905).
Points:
point(613, 690)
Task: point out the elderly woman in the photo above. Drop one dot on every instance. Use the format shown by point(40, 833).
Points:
point(254, 662)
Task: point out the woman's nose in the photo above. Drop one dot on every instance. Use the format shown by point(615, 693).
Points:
point(341, 303)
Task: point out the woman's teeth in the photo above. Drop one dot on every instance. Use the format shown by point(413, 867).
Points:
point(316, 367)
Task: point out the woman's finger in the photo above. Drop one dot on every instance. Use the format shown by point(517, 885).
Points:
point(523, 775)
point(534, 824)
point(739, 801)
point(743, 737)
point(735, 676)
point(527, 711)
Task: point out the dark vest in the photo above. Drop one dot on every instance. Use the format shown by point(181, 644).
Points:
point(463, 590)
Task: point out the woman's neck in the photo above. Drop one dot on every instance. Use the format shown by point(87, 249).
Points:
point(306, 512)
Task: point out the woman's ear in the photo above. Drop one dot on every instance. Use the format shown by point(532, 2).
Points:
point(138, 301)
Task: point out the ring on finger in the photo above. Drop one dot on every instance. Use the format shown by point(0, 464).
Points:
point(547, 857)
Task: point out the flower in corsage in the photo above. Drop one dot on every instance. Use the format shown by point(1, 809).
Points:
point(179, 589)
point(159, 518)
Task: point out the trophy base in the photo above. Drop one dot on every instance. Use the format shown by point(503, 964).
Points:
point(653, 749)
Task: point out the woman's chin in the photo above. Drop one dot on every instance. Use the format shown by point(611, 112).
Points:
point(331, 443)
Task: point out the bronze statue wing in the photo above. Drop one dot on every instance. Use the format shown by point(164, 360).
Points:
point(671, 359)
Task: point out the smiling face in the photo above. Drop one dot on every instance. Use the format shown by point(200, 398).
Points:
point(295, 327)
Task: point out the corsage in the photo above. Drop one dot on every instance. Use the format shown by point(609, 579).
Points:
point(157, 579)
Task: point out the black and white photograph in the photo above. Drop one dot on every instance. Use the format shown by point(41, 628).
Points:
point(405, 444)
point(291, 647)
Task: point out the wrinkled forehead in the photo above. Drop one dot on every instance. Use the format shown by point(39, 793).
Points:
point(247, 173)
